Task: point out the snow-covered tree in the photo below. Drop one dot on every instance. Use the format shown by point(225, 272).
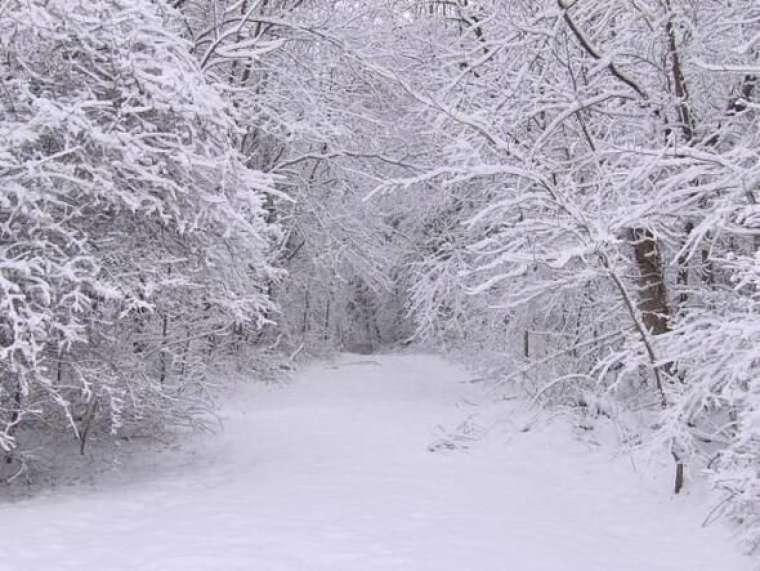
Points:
point(310, 109)
point(600, 160)
point(131, 228)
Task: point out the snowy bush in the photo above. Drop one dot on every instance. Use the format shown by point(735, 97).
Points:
point(133, 235)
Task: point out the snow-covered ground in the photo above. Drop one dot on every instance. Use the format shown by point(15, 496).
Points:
point(334, 472)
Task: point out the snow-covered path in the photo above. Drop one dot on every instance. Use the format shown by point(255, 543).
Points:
point(333, 472)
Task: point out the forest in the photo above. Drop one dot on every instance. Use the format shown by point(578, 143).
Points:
point(562, 192)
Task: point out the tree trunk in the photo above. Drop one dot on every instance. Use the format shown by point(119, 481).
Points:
point(653, 297)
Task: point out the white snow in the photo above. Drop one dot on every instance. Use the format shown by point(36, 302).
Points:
point(333, 472)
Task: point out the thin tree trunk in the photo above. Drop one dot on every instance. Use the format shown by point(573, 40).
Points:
point(686, 118)
point(326, 333)
point(86, 424)
point(15, 416)
point(162, 356)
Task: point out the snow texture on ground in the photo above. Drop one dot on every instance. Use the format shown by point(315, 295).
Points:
point(334, 472)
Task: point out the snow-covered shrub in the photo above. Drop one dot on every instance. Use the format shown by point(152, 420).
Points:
point(132, 235)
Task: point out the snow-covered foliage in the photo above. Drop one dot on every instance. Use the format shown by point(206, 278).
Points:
point(310, 109)
point(132, 233)
point(599, 164)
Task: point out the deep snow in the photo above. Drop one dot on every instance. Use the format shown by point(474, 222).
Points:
point(334, 472)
